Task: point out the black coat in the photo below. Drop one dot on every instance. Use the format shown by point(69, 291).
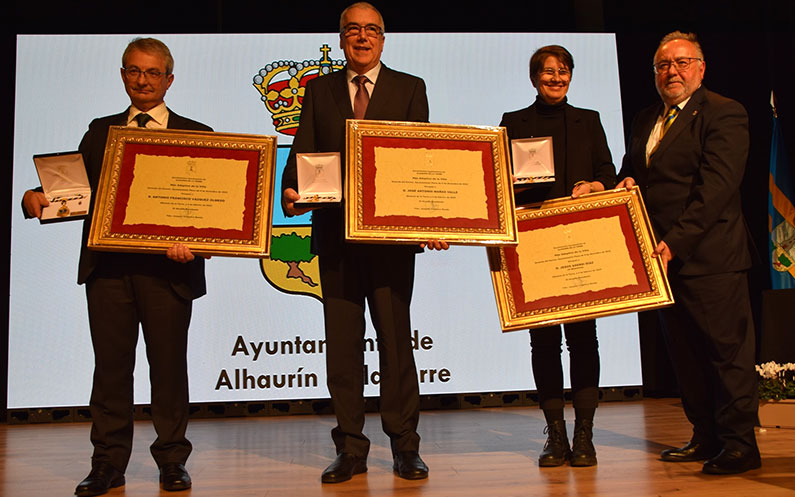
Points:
point(587, 154)
point(691, 186)
point(186, 279)
point(396, 96)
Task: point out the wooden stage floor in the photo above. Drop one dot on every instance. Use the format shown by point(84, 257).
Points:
point(478, 453)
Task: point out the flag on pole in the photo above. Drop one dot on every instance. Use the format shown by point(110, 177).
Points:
point(781, 211)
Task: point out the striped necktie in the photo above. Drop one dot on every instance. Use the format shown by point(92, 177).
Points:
point(670, 117)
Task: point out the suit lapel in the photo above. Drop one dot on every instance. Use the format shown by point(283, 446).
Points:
point(529, 119)
point(381, 92)
point(340, 93)
point(121, 119)
point(648, 127)
point(574, 133)
point(171, 118)
point(682, 121)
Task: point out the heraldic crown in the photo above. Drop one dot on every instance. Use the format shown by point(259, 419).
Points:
point(282, 84)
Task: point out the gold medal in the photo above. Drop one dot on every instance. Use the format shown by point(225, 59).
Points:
point(63, 211)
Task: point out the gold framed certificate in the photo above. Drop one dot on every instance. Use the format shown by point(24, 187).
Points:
point(412, 182)
point(579, 259)
point(212, 192)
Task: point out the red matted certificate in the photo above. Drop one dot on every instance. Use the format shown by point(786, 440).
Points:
point(579, 259)
point(413, 182)
point(209, 191)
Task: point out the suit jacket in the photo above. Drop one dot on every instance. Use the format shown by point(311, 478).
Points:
point(187, 280)
point(396, 96)
point(691, 186)
point(587, 154)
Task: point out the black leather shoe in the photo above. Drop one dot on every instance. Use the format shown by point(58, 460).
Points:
point(174, 477)
point(409, 465)
point(583, 452)
point(102, 478)
point(343, 468)
point(693, 451)
point(556, 449)
point(731, 462)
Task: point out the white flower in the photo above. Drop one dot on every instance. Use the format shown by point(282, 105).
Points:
point(773, 369)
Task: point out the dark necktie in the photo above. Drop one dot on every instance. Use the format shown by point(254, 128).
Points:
point(362, 98)
point(142, 119)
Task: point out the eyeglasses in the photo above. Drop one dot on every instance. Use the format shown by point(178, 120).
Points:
point(682, 64)
point(134, 72)
point(371, 30)
point(550, 73)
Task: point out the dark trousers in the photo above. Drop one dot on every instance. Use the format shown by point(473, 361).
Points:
point(710, 337)
point(545, 347)
point(117, 303)
point(383, 276)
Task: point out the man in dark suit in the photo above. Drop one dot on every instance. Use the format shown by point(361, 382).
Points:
point(125, 290)
point(383, 275)
point(688, 155)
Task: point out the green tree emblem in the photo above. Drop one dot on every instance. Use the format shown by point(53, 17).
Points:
point(293, 249)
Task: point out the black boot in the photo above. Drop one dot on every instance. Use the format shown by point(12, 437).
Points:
point(556, 450)
point(583, 452)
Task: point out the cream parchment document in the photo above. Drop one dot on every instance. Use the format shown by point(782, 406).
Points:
point(429, 183)
point(573, 258)
point(187, 192)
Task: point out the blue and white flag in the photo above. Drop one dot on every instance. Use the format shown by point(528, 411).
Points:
point(781, 212)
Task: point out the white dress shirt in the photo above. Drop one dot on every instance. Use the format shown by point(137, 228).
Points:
point(158, 114)
point(372, 76)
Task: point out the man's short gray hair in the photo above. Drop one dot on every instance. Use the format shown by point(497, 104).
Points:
point(679, 35)
point(150, 46)
point(361, 5)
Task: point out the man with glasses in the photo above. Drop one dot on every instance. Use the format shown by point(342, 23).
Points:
point(125, 290)
point(688, 156)
point(350, 274)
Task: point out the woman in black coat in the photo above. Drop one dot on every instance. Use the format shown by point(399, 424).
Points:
point(583, 164)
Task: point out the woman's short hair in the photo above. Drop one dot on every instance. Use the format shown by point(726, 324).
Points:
point(540, 55)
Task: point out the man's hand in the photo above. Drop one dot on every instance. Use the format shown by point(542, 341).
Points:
point(627, 183)
point(435, 245)
point(664, 253)
point(585, 187)
point(290, 196)
point(34, 202)
point(179, 253)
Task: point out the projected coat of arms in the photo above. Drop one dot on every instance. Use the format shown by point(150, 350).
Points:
point(291, 268)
